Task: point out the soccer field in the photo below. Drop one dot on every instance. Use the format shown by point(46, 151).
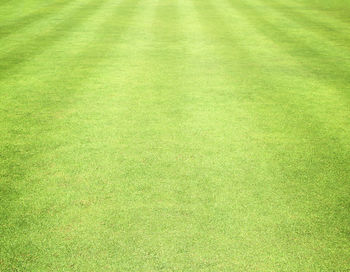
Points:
point(174, 135)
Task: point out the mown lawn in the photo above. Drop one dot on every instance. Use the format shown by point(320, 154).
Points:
point(174, 135)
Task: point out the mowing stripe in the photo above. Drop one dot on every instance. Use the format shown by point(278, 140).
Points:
point(326, 65)
point(47, 39)
point(39, 15)
point(323, 25)
point(210, 19)
point(174, 135)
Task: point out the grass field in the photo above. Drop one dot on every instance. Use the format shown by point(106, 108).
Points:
point(174, 135)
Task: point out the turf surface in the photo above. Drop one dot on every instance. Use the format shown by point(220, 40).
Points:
point(174, 135)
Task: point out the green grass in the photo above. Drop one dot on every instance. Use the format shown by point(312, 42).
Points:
point(174, 135)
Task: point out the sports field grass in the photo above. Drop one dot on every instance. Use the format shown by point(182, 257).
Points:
point(174, 135)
